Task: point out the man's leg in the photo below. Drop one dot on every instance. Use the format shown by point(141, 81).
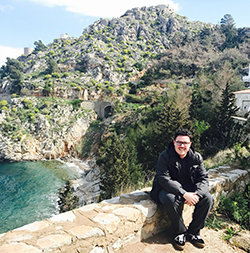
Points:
point(173, 205)
point(200, 214)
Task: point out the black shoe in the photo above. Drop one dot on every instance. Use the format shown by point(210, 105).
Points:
point(196, 240)
point(179, 241)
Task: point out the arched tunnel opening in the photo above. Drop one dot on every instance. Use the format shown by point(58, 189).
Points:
point(107, 111)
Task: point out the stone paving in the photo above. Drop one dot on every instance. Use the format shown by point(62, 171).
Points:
point(111, 224)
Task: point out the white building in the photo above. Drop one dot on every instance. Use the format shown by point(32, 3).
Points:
point(28, 50)
point(64, 36)
point(246, 79)
point(243, 100)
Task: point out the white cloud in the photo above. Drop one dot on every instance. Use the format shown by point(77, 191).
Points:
point(10, 52)
point(101, 8)
point(5, 8)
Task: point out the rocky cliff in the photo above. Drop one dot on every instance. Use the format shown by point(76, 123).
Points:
point(34, 128)
point(107, 55)
point(39, 118)
point(106, 63)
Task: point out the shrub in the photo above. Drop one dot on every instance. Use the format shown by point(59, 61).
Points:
point(56, 75)
point(8, 119)
point(46, 104)
point(3, 103)
point(66, 74)
point(76, 103)
point(110, 90)
point(19, 137)
point(46, 90)
point(120, 92)
point(32, 116)
point(46, 77)
point(45, 111)
point(98, 87)
point(4, 108)
point(27, 103)
point(237, 208)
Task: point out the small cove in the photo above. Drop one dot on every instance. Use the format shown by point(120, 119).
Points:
point(29, 191)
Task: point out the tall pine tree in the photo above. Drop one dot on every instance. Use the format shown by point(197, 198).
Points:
point(119, 167)
point(224, 131)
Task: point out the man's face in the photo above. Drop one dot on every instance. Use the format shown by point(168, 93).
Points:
point(182, 145)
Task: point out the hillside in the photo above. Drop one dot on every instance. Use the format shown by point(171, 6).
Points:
point(146, 56)
point(108, 54)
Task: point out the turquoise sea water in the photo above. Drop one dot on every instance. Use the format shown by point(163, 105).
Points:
point(29, 191)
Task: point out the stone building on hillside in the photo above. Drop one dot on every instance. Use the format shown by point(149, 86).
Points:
point(243, 100)
point(246, 79)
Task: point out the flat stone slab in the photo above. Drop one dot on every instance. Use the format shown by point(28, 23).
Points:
point(131, 214)
point(83, 232)
point(54, 241)
point(110, 221)
point(19, 248)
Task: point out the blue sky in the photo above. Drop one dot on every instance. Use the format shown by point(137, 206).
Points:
point(25, 21)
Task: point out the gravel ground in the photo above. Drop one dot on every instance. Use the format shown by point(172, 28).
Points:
point(163, 243)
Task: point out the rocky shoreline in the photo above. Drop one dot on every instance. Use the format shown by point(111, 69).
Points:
point(86, 187)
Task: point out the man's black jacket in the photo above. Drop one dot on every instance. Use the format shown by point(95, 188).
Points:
point(167, 173)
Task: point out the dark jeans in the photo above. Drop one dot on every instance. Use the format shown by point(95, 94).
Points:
point(173, 205)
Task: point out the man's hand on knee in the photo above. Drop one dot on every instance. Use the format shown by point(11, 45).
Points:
point(191, 198)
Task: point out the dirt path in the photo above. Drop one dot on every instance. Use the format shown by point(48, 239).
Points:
point(162, 243)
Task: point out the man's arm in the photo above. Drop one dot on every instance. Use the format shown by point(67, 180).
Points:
point(164, 177)
point(202, 179)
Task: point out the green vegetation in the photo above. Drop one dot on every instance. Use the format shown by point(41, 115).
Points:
point(214, 222)
point(230, 232)
point(66, 200)
point(237, 207)
point(161, 77)
point(121, 166)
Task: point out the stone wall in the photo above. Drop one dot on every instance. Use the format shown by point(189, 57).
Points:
point(111, 224)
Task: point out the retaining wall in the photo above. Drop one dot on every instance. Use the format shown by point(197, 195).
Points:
point(111, 224)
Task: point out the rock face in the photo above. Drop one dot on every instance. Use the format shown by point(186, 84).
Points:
point(49, 131)
point(107, 54)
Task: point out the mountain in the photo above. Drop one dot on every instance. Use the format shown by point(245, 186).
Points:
point(108, 54)
point(128, 60)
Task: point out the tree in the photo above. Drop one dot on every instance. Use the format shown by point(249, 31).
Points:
point(154, 136)
point(225, 121)
point(66, 200)
point(229, 29)
point(17, 78)
point(119, 167)
point(223, 132)
point(227, 20)
point(11, 64)
point(13, 69)
point(39, 46)
point(52, 67)
point(47, 90)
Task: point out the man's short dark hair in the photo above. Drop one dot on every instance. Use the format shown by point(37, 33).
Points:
point(184, 132)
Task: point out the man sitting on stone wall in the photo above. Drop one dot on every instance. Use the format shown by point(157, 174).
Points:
point(181, 178)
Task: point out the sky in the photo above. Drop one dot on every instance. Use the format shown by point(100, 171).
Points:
point(25, 21)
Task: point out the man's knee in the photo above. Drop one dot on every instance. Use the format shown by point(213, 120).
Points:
point(207, 199)
point(167, 198)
